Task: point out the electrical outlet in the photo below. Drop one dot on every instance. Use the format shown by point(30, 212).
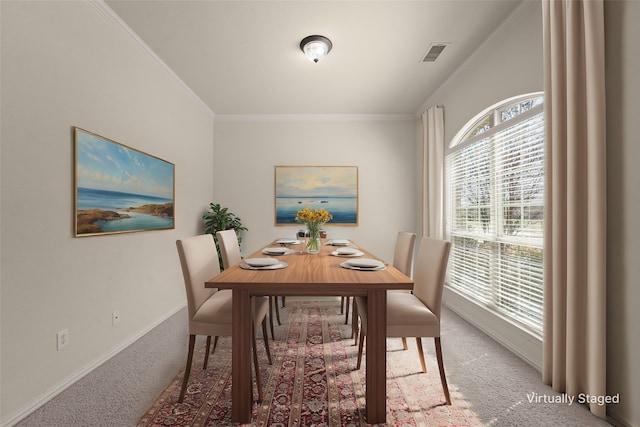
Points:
point(115, 317)
point(63, 338)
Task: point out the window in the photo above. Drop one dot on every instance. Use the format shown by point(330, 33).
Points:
point(494, 220)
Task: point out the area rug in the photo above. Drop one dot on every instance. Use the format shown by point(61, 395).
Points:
point(312, 382)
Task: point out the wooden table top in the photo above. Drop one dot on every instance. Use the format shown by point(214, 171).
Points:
point(306, 274)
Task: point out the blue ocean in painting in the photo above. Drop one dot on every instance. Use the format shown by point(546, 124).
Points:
point(88, 198)
point(343, 209)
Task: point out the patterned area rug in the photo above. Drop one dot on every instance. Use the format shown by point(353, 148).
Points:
point(313, 381)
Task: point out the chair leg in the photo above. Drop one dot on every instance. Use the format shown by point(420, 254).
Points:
point(215, 344)
point(266, 340)
point(360, 350)
point(443, 378)
point(278, 314)
point(346, 310)
point(206, 352)
point(420, 353)
point(283, 300)
point(404, 343)
point(354, 321)
point(255, 364)
point(341, 305)
point(356, 335)
point(271, 314)
point(187, 370)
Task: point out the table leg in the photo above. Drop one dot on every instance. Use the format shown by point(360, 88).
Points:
point(376, 375)
point(241, 383)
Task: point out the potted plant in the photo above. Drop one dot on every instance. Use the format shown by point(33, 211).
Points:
point(220, 219)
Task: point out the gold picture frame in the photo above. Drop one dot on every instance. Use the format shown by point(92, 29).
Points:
point(334, 188)
point(119, 189)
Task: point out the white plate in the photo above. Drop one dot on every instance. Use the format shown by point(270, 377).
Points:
point(365, 263)
point(261, 262)
point(280, 264)
point(278, 250)
point(347, 264)
point(348, 252)
point(339, 242)
point(286, 241)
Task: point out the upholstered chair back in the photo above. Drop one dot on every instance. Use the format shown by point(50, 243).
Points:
point(229, 248)
point(199, 261)
point(404, 252)
point(429, 275)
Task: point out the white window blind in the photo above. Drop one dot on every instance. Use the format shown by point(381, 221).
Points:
point(495, 191)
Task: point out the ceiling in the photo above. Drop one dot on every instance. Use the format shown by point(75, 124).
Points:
point(243, 57)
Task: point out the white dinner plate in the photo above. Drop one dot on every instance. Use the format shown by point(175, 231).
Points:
point(278, 250)
point(261, 262)
point(349, 252)
point(276, 266)
point(339, 242)
point(287, 241)
point(364, 264)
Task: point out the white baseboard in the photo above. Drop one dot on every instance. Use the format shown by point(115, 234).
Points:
point(525, 345)
point(71, 379)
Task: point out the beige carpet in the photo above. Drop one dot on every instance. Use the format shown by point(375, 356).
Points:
point(492, 380)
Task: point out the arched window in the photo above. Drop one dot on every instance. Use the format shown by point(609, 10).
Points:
point(494, 209)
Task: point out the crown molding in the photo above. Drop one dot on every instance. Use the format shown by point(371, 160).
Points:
point(313, 117)
point(116, 21)
point(516, 16)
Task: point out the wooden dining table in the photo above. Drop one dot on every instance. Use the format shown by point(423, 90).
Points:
point(310, 275)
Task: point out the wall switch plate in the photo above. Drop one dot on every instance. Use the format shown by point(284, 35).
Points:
point(63, 338)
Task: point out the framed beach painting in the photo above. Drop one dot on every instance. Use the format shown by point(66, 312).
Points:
point(119, 189)
point(334, 188)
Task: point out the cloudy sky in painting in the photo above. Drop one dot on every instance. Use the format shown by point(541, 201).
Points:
point(106, 165)
point(329, 181)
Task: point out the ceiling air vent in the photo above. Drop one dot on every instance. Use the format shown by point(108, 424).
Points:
point(434, 51)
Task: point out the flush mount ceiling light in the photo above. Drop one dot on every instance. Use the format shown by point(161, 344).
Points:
point(315, 47)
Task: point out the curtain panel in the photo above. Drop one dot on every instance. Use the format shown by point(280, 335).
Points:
point(433, 173)
point(574, 334)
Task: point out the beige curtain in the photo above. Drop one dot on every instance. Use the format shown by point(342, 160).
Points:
point(433, 172)
point(574, 343)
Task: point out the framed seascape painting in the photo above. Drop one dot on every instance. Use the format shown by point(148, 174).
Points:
point(333, 188)
point(119, 189)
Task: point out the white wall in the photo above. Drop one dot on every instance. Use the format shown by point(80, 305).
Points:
point(246, 153)
point(65, 64)
point(508, 64)
point(623, 208)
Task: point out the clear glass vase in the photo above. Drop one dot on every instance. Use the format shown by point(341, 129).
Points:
point(313, 241)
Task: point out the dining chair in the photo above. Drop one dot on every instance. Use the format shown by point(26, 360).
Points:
point(230, 253)
point(403, 254)
point(210, 309)
point(417, 314)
